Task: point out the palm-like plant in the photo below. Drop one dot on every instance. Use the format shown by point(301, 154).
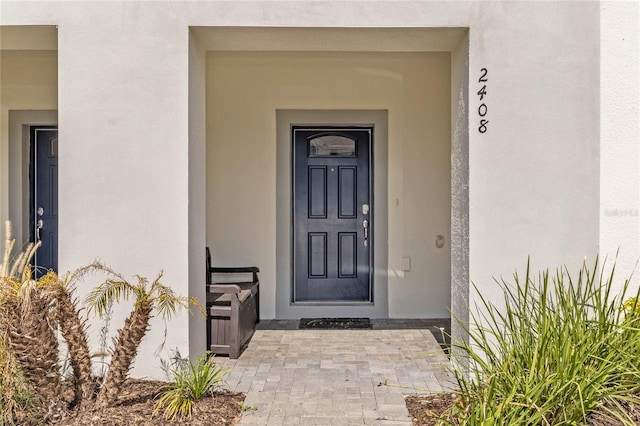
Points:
point(148, 298)
point(73, 330)
point(32, 339)
point(28, 332)
point(31, 311)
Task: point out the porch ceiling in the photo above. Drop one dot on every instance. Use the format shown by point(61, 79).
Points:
point(28, 37)
point(329, 39)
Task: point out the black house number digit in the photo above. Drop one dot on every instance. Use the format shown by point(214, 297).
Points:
point(483, 109)
point(483, 76)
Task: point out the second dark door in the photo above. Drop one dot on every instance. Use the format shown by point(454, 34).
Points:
point(44, 197)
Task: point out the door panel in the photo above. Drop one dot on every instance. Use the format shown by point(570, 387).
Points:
point(331, 184)
point(318, 192)
point(347, 192)
point(317, 251)
point(347, 259)
point(44, 197)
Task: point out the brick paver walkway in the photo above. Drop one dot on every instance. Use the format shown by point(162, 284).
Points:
point(336, 377)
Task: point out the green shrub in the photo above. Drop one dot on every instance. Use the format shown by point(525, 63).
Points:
point(189, 382)
point(559, 349)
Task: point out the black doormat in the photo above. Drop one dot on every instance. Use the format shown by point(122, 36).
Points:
point(335, 323)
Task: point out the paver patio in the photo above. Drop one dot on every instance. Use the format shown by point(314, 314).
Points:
point(336, 377)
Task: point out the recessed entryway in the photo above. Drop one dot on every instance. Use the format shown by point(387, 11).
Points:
point(29, 88)
point(371, 131)
point(262, 82)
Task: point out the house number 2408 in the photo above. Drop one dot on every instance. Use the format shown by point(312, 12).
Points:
point(482, 109)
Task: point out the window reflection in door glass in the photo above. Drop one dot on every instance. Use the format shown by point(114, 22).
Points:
point(332, 146)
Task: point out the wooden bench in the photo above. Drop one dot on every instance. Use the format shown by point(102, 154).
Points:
point(233, 307)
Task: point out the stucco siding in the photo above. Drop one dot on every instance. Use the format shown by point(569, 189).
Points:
point(555, 175)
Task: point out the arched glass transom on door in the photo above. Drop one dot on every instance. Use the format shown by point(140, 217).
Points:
point(332, 146)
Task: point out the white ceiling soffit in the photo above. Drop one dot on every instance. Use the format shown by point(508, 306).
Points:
point(28, 37)
point(329, 39)
point(33, 37)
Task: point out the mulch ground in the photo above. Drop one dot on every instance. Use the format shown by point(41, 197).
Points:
point(136, 403)
point(423, 410)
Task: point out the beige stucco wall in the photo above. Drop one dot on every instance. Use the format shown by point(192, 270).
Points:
point(619, 135)
point(244, 90)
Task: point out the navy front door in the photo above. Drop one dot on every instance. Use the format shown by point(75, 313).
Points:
point(332, 215)
point(44, 197)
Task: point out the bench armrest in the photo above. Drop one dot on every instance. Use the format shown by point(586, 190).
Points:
point(223, 288)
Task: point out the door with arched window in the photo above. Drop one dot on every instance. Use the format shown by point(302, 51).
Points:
point(332, 214)
point(43, 215)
